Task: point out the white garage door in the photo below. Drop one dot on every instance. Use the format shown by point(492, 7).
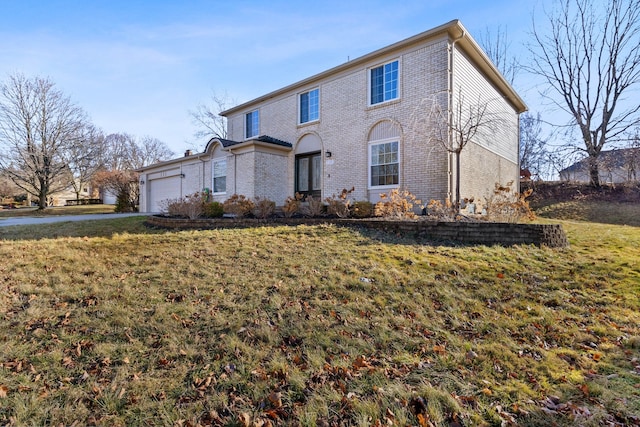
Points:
point(163, 189)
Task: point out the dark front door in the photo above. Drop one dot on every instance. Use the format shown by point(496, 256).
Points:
point(309, 174)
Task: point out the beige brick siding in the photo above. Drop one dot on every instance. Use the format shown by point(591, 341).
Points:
point(345, 125)
point(346, 120)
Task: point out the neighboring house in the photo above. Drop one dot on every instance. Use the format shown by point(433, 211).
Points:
point(614, 167)
point(60, 198)
point(354, 126)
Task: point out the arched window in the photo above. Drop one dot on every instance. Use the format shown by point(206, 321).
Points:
point(384, 155)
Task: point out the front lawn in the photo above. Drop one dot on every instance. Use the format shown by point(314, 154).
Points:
point(56, 210)
point(109, 323)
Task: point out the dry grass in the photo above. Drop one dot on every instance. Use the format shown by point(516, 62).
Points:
point(593, 211)
point(56, 210)
point(111, 324)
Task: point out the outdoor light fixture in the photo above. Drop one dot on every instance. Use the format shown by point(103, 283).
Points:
point(328, 153)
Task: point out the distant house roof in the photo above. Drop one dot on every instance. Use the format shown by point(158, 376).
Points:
point(611, 159)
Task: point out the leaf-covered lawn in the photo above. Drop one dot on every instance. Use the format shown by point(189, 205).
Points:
point(316, 326)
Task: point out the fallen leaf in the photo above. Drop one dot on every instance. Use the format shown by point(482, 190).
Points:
point(276, 399)
point(439, 349)
point(245, 419)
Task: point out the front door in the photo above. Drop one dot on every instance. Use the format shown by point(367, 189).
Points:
point(309, 174)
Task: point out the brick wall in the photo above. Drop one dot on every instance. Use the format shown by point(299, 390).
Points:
point(346, 121)
point(484, 233)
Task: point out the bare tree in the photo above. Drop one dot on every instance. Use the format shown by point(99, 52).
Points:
point(122, 156)
point(8, 188)
point(533, 150)
point(453, 129)
point(497, 49)
point(149, 151)
point(631, 157)
point(207, 118)
point(84, 157)
point(590, 61)
point(119, 151)
point(37, 124)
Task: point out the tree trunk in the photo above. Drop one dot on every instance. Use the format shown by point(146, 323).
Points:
point(457, 204)
point(594, 174)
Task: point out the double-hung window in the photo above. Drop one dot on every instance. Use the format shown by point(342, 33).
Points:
point(252, 124)
point(384, 164)
point(219, 176)
point(309, 102)
point(384, 82)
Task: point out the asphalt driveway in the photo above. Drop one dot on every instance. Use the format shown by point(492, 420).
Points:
point(5, 222)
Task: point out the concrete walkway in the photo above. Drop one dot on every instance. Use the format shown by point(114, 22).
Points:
point(28, 220)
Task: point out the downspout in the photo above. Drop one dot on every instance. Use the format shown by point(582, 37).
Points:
point(450, 134)
point(203, 175)
point(518, 159)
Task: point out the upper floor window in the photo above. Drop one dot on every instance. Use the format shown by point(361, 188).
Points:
point(384, 82)
point(219, 176)
point(309, 102)
point(252, 124)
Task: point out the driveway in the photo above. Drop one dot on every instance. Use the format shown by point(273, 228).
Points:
point(26, 220)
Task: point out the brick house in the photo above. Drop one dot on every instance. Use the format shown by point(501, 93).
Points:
point(614, 167)
point(355, 126)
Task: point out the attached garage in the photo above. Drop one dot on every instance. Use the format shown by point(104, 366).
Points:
point(162, 187)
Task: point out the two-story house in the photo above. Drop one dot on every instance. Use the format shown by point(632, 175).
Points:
point(362, 124)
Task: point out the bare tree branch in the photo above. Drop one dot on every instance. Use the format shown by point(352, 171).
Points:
point(207, 118)
point(453, 129)
point(37, 124)
point(591, 62)
point(497, 49)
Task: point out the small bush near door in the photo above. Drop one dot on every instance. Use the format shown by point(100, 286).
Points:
point(238, 205)
point(213, 210)
point(362, 209)
point(264, 208)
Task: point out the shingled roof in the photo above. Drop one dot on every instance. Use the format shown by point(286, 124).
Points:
point(227, 143)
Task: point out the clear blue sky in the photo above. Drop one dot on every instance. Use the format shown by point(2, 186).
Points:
point(140, 66)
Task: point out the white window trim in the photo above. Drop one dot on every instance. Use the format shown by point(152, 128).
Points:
point(301, 123)
point(244, 117)
point(389, 186)
point(213, 177)
point(377, 104)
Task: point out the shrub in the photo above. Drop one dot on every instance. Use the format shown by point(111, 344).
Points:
point(397, 203)
point(339, 205)
point(123, 203)
point(362, 209)
point(213, 210)
point(263, 207)
point(441, 211)
point(292, 205)
point(506, 205)
point(314, 207)
point(238, 205)
point(190, 206)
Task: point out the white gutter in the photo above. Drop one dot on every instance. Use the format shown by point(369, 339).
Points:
point(450, 133)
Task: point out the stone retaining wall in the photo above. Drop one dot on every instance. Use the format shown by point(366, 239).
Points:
point(485, 233)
